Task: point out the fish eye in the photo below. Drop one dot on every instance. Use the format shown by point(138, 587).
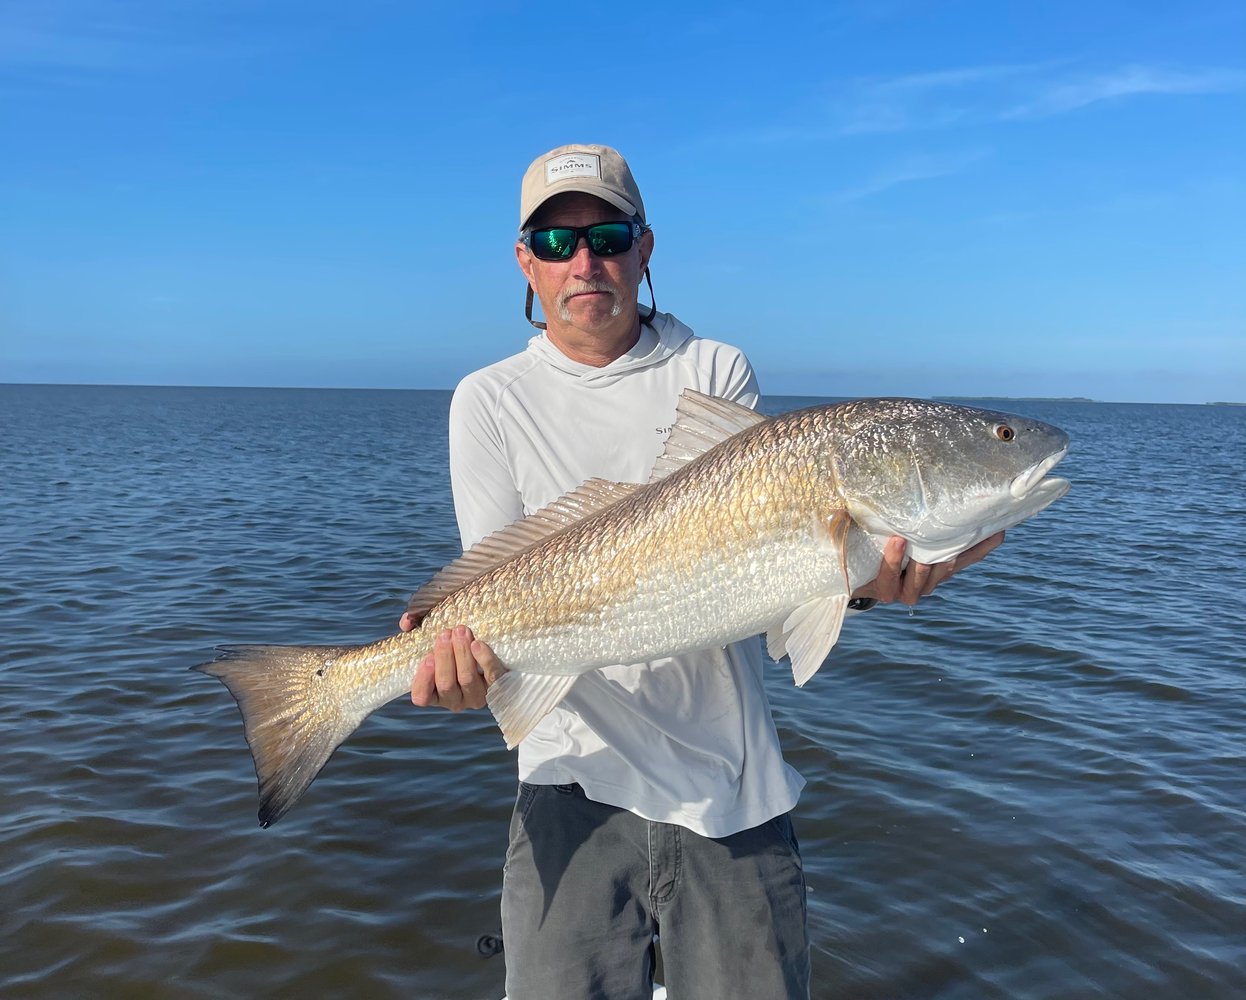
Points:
point(1004, 432)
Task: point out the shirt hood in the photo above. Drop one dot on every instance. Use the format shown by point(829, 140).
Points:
point(659, 339)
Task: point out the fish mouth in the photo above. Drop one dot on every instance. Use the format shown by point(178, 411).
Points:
point(1034, 483)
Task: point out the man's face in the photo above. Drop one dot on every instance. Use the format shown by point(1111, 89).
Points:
point(585, 291)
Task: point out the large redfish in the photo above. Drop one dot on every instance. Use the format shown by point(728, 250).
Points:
point(749, 524)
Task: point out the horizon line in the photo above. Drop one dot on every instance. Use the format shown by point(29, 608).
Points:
point(773, 395)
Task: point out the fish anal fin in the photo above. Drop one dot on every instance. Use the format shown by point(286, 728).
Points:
point(701, 422)
point(809, 633)
point(495, 549)
point(519, 701)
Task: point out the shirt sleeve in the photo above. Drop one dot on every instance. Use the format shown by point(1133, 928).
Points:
point(740, 382)
point(486, 498)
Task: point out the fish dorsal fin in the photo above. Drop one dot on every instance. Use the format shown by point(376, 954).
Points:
point(701, 422)
point(495, 549)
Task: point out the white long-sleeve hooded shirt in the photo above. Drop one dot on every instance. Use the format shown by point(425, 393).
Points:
point(688, 739)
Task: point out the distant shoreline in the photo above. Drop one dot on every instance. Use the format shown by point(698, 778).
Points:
point(1066, 399)
point(1027, 399)
point(793, 395)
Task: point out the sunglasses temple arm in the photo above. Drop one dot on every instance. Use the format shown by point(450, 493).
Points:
point(528, 311)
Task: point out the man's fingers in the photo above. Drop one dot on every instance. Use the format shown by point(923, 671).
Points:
point(893, 554)
point(424, 684)
point(916, 579)
point(471, 683)
point(446, 672)
point(407, 622)
point(886, 586)
point(490, 665)
point(940, 572)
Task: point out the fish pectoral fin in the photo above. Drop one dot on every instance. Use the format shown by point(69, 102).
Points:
point(519, 701)
point(809, 633)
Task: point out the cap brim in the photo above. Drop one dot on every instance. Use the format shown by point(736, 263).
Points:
point(622, 204)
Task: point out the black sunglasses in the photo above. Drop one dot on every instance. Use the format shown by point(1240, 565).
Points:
point(605, 239)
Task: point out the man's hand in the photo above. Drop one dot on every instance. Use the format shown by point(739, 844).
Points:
point(916, 580)
point(457, 673)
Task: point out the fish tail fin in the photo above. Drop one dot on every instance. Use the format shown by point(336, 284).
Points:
point(293, 720)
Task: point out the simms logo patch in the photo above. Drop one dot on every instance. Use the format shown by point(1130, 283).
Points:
point(572, 165)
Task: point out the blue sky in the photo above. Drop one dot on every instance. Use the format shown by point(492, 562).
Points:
point(967, 198)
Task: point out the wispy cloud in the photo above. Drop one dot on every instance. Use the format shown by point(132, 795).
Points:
point(68, 35)
point(925, 100)
point(910, 170)
point(975, 95)
point(64, 40)
point(1060, 97)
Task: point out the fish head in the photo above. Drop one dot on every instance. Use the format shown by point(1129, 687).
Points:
point(943, 476)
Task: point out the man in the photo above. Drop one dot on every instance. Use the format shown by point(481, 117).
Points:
point(655, 797)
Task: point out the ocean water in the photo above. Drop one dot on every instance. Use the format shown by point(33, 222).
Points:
point(1034, 786)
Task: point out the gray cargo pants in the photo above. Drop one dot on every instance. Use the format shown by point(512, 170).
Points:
point(586, 887)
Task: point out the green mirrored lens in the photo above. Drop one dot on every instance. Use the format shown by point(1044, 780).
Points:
point(609, 238)
point(554, 244)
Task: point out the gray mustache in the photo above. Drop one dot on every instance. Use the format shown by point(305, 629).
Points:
point(587, 286)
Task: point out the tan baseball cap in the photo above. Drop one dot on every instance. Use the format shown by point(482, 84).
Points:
point(595, 170)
